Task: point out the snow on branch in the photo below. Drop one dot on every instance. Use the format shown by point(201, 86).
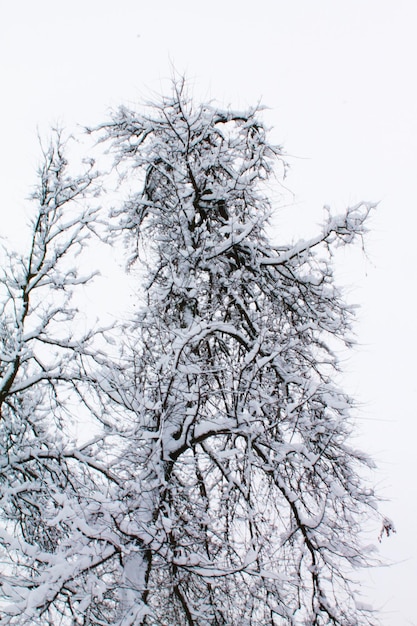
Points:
point(340, 229)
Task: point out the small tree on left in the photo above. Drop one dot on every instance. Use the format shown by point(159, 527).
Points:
point(44, 370)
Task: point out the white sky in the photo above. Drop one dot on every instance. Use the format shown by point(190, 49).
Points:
point(340, 78)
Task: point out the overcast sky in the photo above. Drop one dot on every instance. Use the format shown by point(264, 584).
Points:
point(340, 80)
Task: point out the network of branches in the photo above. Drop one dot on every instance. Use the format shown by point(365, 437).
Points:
point(218, 486)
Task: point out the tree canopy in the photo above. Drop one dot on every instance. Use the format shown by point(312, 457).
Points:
point(219, 486)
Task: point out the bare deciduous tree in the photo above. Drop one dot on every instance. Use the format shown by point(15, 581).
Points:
point(221, 488)
point(44, 379)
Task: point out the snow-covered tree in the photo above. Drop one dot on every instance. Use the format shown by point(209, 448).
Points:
point(48, 481)
point(248, 497)
point(221, 488)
